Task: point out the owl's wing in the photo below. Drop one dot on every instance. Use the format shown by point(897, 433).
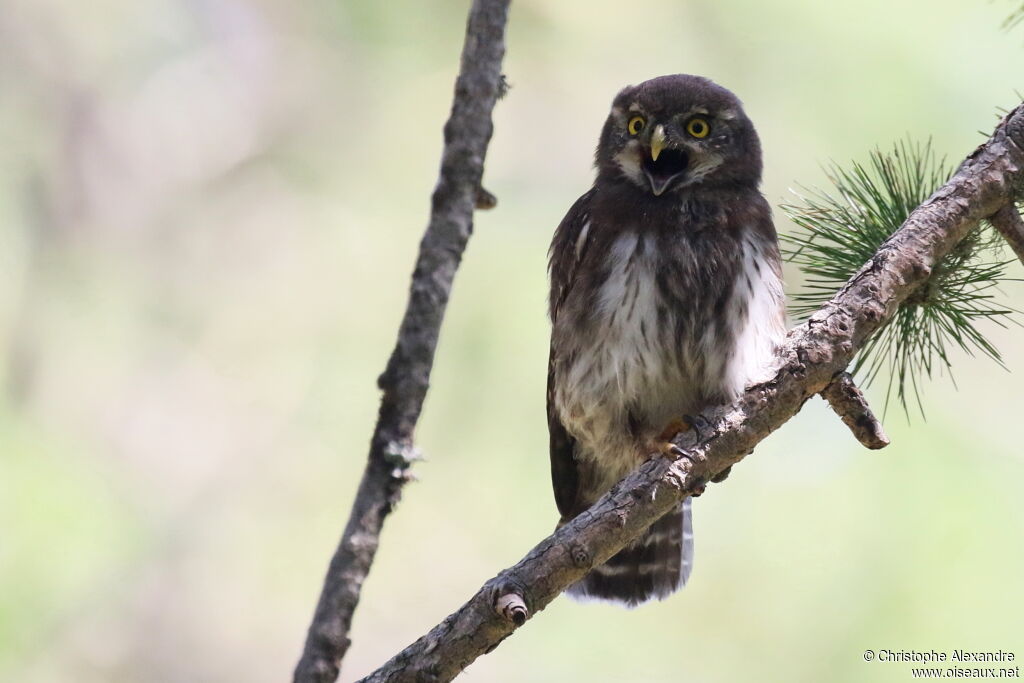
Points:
point(564, 477)
point(567, 249)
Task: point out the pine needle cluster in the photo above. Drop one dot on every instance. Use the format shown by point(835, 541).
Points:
point(1016, 17)
point(838, 230)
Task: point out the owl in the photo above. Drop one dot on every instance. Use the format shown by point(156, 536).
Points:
point(666, 298)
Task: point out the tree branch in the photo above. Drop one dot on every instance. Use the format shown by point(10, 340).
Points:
point(813, 354)
point(1008, 222)
point(405, 381)
point(849, 403)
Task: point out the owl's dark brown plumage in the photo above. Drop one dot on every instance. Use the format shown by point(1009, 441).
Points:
point(666, 297)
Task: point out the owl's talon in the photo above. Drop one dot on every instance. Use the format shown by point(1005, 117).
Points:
point(676, 451)
point(662, 444)
point(662, 448)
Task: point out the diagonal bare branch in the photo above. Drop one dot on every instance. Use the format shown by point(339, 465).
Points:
point(813, 354)
point(404, 382)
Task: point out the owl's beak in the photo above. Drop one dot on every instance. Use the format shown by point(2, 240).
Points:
point(657, 142)
point(667, 163)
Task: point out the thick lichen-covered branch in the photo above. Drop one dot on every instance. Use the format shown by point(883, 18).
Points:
point(404, 382)
point(814, 353)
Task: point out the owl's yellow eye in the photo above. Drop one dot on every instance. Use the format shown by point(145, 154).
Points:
point(698, 128)
point(636, 124)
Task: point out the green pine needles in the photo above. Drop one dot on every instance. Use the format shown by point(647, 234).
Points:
point(1015, 18)
point(840, 229)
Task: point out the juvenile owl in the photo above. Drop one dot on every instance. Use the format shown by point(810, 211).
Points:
point(666, 297)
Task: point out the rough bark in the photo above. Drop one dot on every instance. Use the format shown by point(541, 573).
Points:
point(814, 353)
point(1008, 222)
point(849, 404)
point(405, 381)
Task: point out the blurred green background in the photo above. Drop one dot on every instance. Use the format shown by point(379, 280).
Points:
point(209, 211)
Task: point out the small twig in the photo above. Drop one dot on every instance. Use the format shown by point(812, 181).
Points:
point(484, 199)
point(512, 607)
point(849, 404)
point(1008, 222)
point(405, 381)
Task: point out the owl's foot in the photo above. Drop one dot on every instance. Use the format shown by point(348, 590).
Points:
point(662, 446)
point(658, 447)
point(674, 429)
point(665, 449)
point(682, 424)
point(665, 446)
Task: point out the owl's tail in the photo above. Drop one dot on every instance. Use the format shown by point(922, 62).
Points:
point(654, 566)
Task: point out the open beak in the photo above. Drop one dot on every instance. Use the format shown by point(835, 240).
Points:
point(667, 164)
point(657, 142)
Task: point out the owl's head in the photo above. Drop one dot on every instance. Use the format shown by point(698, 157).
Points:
point(676, 132)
